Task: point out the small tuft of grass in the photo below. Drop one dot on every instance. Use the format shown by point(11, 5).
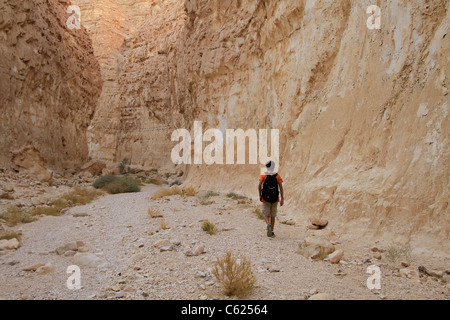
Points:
point(174, 190)
point(236, 196)
point(395, 252)
point(189, 191)
point(209, 227)
point(234, 274)
point(163, 224)
point(154, 213)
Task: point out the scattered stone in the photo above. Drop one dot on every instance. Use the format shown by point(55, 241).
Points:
point(377, 256)
point(198, 250)
point(163, 245)
point(274, 269)
point(47, 268)
point(33, 267)
point(69, 246)
point(318, 222)
point(9, 244)
point(87, 259)
point(336, 256)
point(377, 249)
point(315, 248)
point(404, 264)
point(410, 272)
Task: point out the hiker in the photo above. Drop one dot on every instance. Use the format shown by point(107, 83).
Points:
point(269, 188)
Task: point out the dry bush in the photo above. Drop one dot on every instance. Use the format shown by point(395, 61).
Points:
point(154, 213)
point(82, 196)
point(15, 215)
point(47, 211)
point(234, 274)
point(209, 227)
point(189, 191)
point(168, 192)
point(9, 234)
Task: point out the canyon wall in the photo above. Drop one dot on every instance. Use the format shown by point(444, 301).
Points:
point(362, 113)
point(49, 85)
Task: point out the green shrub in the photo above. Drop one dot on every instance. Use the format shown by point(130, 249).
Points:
point(209, 227)
point(103, 181)
point(122, 185)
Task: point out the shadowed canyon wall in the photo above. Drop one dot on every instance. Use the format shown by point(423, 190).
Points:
point(49, 85)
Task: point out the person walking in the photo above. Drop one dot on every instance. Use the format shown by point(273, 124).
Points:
point(270, 188)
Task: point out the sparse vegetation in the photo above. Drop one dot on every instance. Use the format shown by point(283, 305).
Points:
point(203, 197)
point(209, 227)
point(115, 184)
point(123, 166)
point(395, 252)
point(234, 274)
point(151, 181)
point(15, 215)
point(154, 213)
point(174, 190)
point(9, 234)
point(259, 214)
point(235, 196)
point(79, 196)
point(163, 224)
point(189, 191)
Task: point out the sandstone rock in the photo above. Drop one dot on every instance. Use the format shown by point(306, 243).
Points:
point(319, 222)
point(47, 268)
point(198, 250)
point(33, 267)
point(29, 160)
point(336, 256)
point(49, 115)
point(9, 244)
point(87, 259)
point(316, 248)
point(71, 246)
point(94, 167)
point(410, 272)
point(163, 245)
point(274, 268)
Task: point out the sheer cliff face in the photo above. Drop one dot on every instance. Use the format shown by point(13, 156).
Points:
point(362, 114)
point(49, 84)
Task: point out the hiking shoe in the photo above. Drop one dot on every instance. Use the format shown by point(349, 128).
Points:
point(269, 230)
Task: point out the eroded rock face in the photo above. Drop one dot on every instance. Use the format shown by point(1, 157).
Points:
point(49, 83)
point(362, 113)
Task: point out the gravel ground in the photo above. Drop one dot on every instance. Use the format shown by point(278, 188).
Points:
point(120, 234)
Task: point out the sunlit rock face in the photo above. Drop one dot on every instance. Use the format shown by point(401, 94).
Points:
point(362, 112)
point(50, 82)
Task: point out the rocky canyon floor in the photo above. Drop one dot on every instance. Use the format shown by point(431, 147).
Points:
point(118, 258)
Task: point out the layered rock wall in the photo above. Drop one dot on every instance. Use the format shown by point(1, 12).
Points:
point(49, 85)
